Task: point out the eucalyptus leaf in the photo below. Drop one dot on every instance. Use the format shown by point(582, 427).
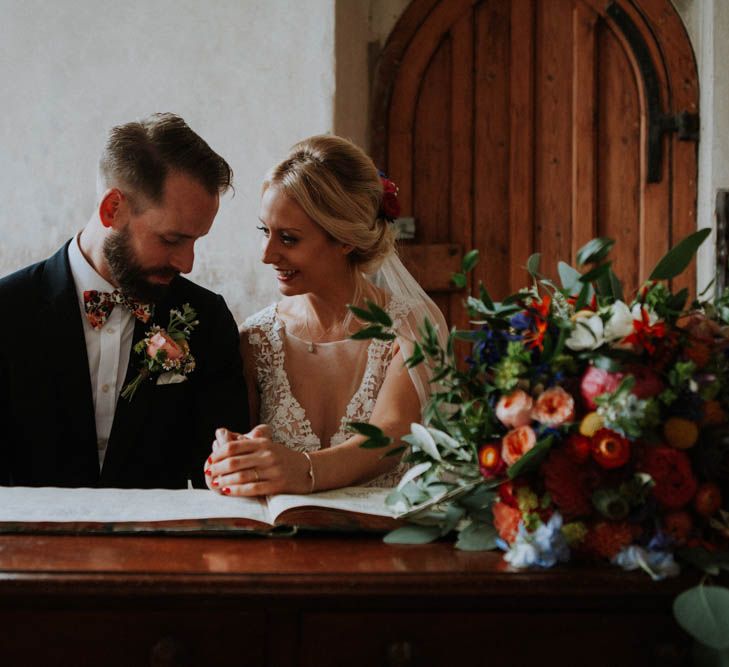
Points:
point(414, 472)
point(584, 297)
point(532, 265)
point(477, 537)
point(594, 251)
point(412, 534)
point(362, 314)
point(703, 612)
point(679, 257)
point(364, 428)
point(425, 441)
point(485, 297)
point(569, 277)
point(617, 286)
point(470, 259)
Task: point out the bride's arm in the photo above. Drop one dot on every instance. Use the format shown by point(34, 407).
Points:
point(249, 372)
point(253, 465)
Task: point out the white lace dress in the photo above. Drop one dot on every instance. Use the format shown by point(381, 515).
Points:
point(324, 387)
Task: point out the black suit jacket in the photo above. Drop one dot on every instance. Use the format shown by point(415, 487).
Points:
point(47, 427)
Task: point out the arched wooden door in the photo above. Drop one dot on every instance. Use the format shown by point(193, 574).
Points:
point(521, 126)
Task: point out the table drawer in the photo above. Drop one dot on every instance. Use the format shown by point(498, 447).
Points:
point(432, 639)
point(160, 638)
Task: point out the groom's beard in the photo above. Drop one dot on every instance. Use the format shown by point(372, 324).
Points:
point(130, 275)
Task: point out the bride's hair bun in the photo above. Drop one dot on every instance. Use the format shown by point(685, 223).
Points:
point(338, 186)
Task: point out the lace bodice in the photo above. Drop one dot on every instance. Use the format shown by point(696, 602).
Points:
point(280, 408)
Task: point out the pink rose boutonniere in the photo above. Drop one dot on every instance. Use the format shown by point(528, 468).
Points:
point(165, 353)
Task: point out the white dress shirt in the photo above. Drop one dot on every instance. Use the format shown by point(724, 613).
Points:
point(107, 348)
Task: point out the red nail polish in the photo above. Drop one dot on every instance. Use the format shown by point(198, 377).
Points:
point(226, 491)
point(208, 472)
point(215, 483)
point(210, 459)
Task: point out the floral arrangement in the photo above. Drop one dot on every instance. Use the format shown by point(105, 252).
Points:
point(390, 206)
point(165, 353)
point(584, 425)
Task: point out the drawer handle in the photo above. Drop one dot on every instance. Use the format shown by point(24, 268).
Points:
point(400, 654)
point(169, 652)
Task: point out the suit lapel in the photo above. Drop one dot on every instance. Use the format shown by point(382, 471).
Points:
point(71, 365)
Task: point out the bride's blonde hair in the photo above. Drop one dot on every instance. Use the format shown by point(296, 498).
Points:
point(338, 187)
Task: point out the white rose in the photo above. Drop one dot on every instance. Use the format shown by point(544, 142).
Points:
point(588, 333)
point(620, 323)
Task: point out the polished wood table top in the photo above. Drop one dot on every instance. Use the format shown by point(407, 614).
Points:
point(305, 564)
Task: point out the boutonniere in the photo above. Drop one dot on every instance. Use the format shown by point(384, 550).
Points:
point(165, 353)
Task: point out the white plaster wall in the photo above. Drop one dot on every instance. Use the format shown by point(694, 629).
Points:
point(707, 24)
point(250, 76)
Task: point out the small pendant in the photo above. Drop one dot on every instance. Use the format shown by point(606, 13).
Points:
point(311, 347)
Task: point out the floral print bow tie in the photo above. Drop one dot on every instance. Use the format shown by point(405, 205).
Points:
point(98, 306)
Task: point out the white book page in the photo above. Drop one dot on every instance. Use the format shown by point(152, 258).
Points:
point(361, 499)
point(56, 505)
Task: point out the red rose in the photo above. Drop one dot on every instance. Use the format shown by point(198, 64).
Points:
point(675, 484)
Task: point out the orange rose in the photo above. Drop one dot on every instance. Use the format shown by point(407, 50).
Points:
point(516, 443)
point(506, 520)
point(515, 409)
point(162, 342)
point(554, 407)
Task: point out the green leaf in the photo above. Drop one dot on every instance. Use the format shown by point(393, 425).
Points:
point(470, 259)
point(362, 314)
point(616, 285)
point(569, 277)
point(532, 264)
point(416, 357)
point(596, 273)
point(594, 251)
point(364, 428)
point(395, 451)
point(703, 612)
point(412, 534)
point(459, 280)
point(380, 315)
point(477, 537)
point(679, 257)
point(585, 295)
point(485, 297)
point(367, 332)
point(531, 459)
point(704, 656)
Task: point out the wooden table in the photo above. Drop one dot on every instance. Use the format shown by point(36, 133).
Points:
point(317, 600)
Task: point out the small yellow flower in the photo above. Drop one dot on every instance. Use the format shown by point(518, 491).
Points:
point(680, 433)
point(574, 532)
point(591, 423)
point(526, 499)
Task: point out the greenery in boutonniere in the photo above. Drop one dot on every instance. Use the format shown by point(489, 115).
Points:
point(584, 424)
point(165, 353)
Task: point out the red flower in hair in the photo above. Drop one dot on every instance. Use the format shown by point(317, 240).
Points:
point(390, 207)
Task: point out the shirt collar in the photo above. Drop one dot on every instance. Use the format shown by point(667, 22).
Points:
point(84, 275)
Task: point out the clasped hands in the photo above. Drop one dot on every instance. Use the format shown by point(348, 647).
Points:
point(252, 464)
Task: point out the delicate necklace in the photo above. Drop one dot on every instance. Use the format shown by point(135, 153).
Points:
point(311, 345)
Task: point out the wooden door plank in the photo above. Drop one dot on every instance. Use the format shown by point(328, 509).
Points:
point(584, 127)
point(521, 141)
point(461, 206)
point(553, 123)
point(491, 137)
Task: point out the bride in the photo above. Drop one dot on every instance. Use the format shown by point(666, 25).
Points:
point(325, 219)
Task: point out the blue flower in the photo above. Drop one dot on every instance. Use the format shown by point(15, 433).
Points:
point(545, 547)
point(658, 564)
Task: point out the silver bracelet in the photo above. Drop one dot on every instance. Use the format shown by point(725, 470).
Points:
point(311, 471)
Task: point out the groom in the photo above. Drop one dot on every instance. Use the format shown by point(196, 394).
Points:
point(69, 325)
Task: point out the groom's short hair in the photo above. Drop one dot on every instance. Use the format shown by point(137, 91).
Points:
point(138, 156)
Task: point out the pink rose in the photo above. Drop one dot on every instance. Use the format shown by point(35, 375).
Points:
point(515, 409)
point(162, 342)
point(597, 381)
point(516, 443)
point(554, 407)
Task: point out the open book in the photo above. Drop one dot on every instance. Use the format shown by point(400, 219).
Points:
point(50, 509)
